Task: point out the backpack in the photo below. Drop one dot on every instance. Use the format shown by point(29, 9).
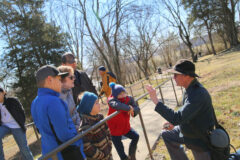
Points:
point(112, 75)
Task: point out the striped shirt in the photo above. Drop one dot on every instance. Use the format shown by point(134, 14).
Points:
point(97, 143)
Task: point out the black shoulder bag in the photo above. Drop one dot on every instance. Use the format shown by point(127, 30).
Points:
point(72, 152)
point(216, 152)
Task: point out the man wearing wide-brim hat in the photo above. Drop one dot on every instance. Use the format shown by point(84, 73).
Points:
point(196, 112)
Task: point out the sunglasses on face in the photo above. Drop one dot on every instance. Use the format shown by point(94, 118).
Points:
point(71, 77)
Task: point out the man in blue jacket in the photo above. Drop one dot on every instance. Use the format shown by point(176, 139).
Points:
point(194, 118)
point(48, 110)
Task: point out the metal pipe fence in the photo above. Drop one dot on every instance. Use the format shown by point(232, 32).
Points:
point(53, 153)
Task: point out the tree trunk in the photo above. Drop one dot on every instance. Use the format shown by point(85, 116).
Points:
point(205, 44)
point(210, 37)
point(154, 65)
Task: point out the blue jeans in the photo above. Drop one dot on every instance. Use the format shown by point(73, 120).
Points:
point(117, 142)
point(20, 138)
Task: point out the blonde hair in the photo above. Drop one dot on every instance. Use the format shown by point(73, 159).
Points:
point(65, 69)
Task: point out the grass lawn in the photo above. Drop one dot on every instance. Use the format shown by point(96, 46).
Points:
point(221, 76)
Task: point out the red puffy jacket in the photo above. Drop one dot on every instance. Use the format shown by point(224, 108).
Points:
point(120, 124)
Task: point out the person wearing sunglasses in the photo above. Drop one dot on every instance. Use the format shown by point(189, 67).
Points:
point(82, 82)
point(66, 93)
point(51, 116)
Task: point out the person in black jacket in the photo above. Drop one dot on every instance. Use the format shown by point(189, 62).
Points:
point(82, 82)
point(12, 120)
point(193, 119)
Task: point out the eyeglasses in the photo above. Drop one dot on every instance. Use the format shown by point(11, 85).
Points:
point(71, 77)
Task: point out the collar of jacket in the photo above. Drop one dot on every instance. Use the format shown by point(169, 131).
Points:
point(193, 84)
point(4, 100)
point(47, 91)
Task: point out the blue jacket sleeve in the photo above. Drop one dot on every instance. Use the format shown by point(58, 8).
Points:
point(189, 110)
point(116, 104)
point(60, 118)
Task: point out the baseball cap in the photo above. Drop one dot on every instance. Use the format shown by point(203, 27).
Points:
point(48, 70)
point(184, 66)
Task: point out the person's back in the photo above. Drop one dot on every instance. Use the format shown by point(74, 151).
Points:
point(107, 78)
point(82, 83)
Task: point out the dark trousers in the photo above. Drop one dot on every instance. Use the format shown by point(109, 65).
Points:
point(117, 142)
point(174, 145)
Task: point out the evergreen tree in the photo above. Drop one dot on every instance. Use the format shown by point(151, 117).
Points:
point(31, 43)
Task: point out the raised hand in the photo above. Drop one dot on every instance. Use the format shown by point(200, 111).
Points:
point(152, 93)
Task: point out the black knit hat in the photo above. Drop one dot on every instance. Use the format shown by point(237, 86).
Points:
point(184, 66)
point(101, 68)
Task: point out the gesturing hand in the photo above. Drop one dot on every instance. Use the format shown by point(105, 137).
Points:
point(152, 93)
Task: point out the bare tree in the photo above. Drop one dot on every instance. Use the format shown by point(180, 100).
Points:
point(71, 21)
point(143, 44)
point(201, 14)
point(177, 21)
point(199, 33)
point(107, 26)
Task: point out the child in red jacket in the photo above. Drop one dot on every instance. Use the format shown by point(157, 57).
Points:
point(120, 125)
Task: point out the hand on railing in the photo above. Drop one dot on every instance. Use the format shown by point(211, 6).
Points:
point(131, 112)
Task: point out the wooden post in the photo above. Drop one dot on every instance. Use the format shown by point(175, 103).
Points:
point(160, 91)
point(143, 87)
point(156, 79)
point(174, 92)
point(131, 91)
point(145, 133)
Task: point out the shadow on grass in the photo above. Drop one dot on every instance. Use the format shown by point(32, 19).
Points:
point(35, 147)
